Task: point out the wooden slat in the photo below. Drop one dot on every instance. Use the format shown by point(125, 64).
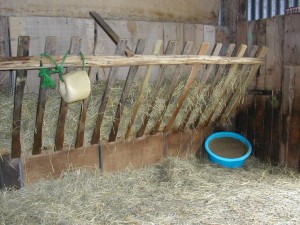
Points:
point(63, 110)
point(128, 83)
point(4, 51)
point(227, 111)
point(274, 77)
point(203, 81)
point(229, 77)
point(21, 76)
point(120, 50)
point(260, 130)
point(293, 119)
point(291, 40)
point(163, 69)
point(186, 50)
point(83, 114)
point(204, 47)
point(137, 104)
point(50, 46)
point(33, 62)
point(110, 32)
point(214, 82)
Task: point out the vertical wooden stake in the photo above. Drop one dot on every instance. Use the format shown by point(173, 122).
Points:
point(21, 76)
point(120, 50)
point(37, 144)
point(128, 83)
point(60, 130)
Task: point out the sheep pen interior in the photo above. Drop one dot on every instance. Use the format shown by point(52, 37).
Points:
point(174, 191)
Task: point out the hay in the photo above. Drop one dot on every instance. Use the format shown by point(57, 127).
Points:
point(175, 191)
point(74, 109)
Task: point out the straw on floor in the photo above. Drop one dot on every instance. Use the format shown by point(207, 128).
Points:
point(176, 191)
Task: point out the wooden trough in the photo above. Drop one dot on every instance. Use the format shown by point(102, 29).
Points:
point(142, 147)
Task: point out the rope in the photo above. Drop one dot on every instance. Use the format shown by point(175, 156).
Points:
point(45, 73)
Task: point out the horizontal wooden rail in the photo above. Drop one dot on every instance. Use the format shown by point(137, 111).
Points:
point(33, 62)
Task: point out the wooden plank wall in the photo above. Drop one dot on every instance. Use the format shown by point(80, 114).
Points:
point(193, 11)
point(267, 120)
point(38, 28)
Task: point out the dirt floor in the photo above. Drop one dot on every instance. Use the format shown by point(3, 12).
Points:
point(176, 191)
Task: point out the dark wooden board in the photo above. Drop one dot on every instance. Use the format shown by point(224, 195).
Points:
point(50, 46)
point(128, 83)
point(21, 76)
point(120, 50)
point(63, 110)
point(10, 173)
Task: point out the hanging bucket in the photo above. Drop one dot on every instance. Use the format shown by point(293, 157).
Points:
point(228, 149)
point(76, 86)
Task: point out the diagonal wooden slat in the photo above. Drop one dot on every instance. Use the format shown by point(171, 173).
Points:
point(50, 46)
point(120, 50)
point(203, 49)
point(203, 81)
point(21, 76)
point(142, 90)
point(128, 83)
point(186, 50)
point(63, 110)
point(228, 79)
point(214, 82)
point(239, 84)
point(171, 47)
point(261, 54)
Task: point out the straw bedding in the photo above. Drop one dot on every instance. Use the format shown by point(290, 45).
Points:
point(175, 191)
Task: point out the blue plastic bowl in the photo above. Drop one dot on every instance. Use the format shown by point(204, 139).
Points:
point(228, 162)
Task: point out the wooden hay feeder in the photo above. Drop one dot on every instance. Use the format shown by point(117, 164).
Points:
point(213, 89)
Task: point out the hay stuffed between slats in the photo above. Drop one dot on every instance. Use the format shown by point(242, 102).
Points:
point(176, 191)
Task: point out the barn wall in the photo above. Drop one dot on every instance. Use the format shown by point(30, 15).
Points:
point(192, 11)
point(270, 119)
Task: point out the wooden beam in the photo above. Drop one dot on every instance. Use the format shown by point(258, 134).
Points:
point(110, 32)
point(195, 11)
point(33, 62)
point(50, 46)
point(21, 76)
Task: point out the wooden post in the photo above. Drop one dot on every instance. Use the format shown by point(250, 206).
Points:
point(60, 130)
point(21, 76)
point(120, 50)
point(37, 144)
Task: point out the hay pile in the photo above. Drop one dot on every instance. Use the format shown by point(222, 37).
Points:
point(175, 191)
point(73, 115)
